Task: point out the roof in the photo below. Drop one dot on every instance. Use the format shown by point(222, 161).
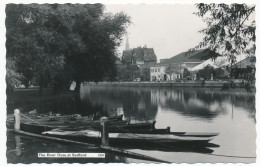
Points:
point(139, 54)
point(218, 62)
point(194, 56)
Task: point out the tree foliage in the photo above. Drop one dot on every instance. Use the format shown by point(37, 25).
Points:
point(13, 78)
point(206, 72)
point(230, 28)
point(171, 69)
point(60, 43)
point(186, 73)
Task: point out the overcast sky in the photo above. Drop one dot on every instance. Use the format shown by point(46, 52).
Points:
point(169, 29)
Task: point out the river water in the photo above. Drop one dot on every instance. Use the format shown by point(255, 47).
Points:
point(231, 114)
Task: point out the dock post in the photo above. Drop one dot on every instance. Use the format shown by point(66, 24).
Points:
point(17, 119)
point(168, 129)
point(104, 131)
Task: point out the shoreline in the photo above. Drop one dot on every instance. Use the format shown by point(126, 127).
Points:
point(190, 84)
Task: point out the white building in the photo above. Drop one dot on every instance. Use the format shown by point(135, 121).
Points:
point(178, 63)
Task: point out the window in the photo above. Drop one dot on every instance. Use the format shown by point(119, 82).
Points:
point(158, 69)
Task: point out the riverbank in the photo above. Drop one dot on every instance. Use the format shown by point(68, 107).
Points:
point(191, 84)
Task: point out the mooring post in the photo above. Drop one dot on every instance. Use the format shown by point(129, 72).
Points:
point(168, 129)
point(104, 131)
point(17, 119)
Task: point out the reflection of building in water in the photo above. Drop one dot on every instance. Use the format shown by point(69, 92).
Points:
point(139, 106)
point(160, 96)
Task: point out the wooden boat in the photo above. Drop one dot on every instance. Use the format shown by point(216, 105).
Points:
point(166, 131)
point(117, 138)
point(111, 118)
point(36, 128)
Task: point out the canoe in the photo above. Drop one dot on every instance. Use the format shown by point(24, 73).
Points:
point(127, 137)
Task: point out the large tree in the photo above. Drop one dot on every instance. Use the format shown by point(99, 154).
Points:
point(230, 28)
point(60, 43)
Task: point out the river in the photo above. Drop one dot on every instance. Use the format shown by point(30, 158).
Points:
point(231, 114)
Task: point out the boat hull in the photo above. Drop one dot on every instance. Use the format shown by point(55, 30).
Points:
point(117, 138)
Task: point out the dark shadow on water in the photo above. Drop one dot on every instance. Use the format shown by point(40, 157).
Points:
point(21, 149)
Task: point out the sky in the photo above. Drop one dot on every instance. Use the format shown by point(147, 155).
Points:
point(168, 29)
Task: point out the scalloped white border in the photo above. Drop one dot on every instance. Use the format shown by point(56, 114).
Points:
point(2, 68)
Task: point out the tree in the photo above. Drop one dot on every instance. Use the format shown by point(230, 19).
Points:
point(171, 69)
point(33, 42)
point(60, 43)
point(186, 73)
point(145, 74)
point(13, 78)
point(123, 73)
point(206, 72)
point(230, 28)
point(102, 38)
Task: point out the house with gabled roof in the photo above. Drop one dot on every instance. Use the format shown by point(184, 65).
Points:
point(179, 62)
point(139, 56)
point(138, 61)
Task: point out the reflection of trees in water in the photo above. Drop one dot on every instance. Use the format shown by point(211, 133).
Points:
point(198, 103)
point(247, 102)
point(210, 98)
point(59, 104)
point(136, 102)
point(67, 104)
point(142, 103)
point(190, 110)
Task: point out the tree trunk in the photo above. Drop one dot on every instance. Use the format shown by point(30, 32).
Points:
point(61, 86)
point(27, 84)
point(77, 89)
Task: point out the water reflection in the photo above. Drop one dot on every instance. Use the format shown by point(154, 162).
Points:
point(231, 114)
point(142, 103)
point(134, 104)
point(18, 150)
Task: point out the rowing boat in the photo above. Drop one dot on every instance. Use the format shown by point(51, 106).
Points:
point(111, 118)
point(36, 128)
point(91, 135)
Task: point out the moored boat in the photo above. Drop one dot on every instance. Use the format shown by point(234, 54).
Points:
point(36, 128)
point(91, 135)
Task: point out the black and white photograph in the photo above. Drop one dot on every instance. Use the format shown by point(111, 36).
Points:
point(130, 82)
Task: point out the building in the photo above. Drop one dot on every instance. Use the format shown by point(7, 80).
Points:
point(244, 68)
point(139, 56)
point(172, 68)
point(244, 65)
point(138, 61)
